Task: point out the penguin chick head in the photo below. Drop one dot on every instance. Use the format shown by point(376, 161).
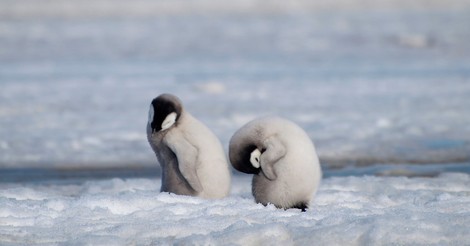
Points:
point(165, 110)
point(248, 160)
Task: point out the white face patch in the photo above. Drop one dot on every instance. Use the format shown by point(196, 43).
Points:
point(169, 121)
point(151, 113)
point(255, 158)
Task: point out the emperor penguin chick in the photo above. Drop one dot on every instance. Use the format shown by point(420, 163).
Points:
point(282, 158)
point(192, 158)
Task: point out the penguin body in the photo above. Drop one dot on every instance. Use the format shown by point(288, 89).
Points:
point(282, 158)
point(191, 156)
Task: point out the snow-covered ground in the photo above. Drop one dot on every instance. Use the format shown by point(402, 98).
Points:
point(346, 211)
point(382, 88)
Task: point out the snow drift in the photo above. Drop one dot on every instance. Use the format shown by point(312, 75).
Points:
point(346, 211)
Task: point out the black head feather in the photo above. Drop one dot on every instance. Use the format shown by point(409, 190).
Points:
point(164, 105)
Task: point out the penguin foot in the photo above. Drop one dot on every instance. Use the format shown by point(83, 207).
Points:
point(303, 206)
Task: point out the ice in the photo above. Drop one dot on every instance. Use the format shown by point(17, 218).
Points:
point(212, 88)
point(346, 210)
point(381, 87)
point(385, 84)
point(360, 121)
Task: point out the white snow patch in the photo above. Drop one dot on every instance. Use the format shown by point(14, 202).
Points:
point(214, 88)
point(414, 41)
point(4, 145)
point(346, 210)
point(383, 123)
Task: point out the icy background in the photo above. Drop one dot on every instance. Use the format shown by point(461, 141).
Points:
point(382, 84)
point(382, 87)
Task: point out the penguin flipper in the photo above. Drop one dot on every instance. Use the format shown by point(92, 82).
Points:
point(275, 150)
point(187, 154)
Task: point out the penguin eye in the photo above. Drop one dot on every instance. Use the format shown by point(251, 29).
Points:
point(151, 114)
point(169, 121)
point(255, 158)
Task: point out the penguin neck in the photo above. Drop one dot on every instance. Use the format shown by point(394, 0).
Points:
point(183, 116)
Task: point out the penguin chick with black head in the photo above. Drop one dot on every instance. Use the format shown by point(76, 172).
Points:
point(282, 158)
point(192, 158)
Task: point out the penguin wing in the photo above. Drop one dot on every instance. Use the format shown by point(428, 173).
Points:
point(275, 150)
point(187, 155)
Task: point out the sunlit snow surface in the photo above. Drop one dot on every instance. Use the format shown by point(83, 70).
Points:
point(382, 88)
point(347, 211)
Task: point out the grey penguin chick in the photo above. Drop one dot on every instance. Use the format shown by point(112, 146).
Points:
point(282, 158)
point(192, 158)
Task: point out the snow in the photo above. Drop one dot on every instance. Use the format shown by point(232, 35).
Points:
point(351, 210)
point(369, 86)
point(381, 87)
